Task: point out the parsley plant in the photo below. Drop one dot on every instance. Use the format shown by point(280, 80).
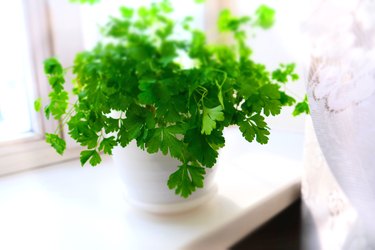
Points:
point(163, 105)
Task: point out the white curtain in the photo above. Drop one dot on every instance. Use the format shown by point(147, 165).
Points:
point(339, 179)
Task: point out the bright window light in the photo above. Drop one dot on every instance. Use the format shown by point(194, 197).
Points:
point(95, 16)
point(15, 71)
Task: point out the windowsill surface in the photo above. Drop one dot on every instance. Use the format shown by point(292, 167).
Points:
point(68, 207)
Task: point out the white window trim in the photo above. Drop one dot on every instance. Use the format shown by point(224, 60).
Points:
point(40, 42)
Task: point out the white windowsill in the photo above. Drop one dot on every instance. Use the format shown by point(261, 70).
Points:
point(32, 154)
point(68, 207)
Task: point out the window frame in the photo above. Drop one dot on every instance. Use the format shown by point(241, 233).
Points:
point(49, 31)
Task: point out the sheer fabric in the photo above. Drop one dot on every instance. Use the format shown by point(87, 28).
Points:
point(339, 181)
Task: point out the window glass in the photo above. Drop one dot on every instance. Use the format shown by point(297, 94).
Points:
point(15, 71)
point(95, 16)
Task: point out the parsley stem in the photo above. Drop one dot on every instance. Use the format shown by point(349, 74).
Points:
point(65, 119)
point(99, 141)
point(120, 119)
point(224, 73)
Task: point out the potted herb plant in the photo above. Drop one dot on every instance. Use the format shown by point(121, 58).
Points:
point(132, 87)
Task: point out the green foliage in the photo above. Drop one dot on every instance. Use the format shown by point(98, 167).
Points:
point(90, 155)
point(302, 107)
point(265, 16)
point(210, 116)
point(162, 104)
point(56, 142)
point(285, 73)
point(228, 22)
point(186, 179)
point(58, 96)
point(107, 144)
point(53, 67)
point(38, 104)
point(255, 127)
point(166, 140)
point(199, 147)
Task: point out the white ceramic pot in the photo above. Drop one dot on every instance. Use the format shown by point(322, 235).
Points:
point(145, 179)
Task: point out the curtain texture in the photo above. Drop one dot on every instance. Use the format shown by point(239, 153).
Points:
point(339, 178)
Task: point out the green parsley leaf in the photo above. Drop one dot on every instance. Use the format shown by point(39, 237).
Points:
point(265, 17)
point(258, 120)
point(95, 159)
point(270, 96)
point(199, 147)
point(165, 140)
point(216, 139)
point(210, 116)
point(56, 142)
point(247, 130)
point(137, 120)
point(58, 97)
point(302, 107)
point(107, 144)
point(82, 131)
point(59, 104)
point(198, 45)
point(255, 128)
point(91, 155)
point(85, 156)
point(38, 104)
point(47, 112)
point(286, 99)
point(53, 67)
point(166, 6)
point(228, 22)
point(153, 92)
point(56, 82)
point(267, 98)
point(285, 73)
point(126, 12)
point(186, 179)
